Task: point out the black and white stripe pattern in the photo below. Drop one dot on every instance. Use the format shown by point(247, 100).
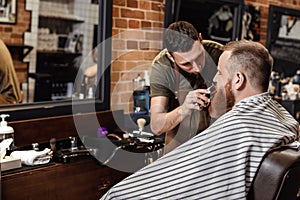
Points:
point(220, 162)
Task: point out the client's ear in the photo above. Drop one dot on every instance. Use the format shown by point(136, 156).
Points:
point(239, 80)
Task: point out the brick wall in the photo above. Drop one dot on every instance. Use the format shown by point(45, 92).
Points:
point(136, 14)
point(137, 30)
point(264, 12)
point(13, 34)
point(133, 48)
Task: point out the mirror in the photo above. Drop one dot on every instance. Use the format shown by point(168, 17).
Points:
point(64, 44)
point(283, 40)
point(203, 15)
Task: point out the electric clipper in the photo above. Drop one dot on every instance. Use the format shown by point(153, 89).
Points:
point(212, 90)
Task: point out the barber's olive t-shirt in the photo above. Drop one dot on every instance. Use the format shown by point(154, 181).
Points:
point(164, 82)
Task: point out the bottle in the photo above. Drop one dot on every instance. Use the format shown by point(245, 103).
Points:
point(90, 94)
point(138, 83)
point(278, 86)
point(147, 78)
point(147, 81)
point(83, 88)
point(296, 78)
point(6, 131)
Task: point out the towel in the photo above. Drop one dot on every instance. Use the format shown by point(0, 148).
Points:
point(33, 157)
point(4, 145)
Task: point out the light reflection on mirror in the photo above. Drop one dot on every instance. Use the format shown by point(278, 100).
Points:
point(66, 34)
point(85, 16)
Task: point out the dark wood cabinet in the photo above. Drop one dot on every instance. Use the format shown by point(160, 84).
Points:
point(80, 179)
point(84, 179)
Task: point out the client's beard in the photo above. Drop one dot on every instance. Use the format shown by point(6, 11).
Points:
point(230, 99)
point(222, 102)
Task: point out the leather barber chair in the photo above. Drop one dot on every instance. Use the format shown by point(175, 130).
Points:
point(278, 177)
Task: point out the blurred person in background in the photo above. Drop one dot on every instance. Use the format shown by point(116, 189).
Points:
point(10, 92)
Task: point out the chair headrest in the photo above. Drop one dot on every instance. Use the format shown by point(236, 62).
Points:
point(270, 176)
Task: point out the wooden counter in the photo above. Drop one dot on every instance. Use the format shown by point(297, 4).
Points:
point(85, 179)
point(80, 179)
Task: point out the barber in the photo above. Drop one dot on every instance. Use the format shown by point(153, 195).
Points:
point(180, 75)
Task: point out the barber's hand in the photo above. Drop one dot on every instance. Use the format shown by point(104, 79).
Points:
point(196, 99)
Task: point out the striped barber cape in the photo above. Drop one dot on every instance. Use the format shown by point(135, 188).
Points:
point(220, 162)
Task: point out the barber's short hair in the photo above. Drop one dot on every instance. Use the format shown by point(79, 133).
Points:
point(251, 58)
point(180, 37)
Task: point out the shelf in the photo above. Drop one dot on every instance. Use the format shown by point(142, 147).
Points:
point(20, 49)
point(62, 52)
point(70, 18)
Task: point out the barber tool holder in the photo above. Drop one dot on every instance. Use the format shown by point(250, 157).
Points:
point(65, 150)
point(110, 148)
point(135, 141)
point(72, 151)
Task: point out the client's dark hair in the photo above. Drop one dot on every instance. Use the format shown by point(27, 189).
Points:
point(180, 37)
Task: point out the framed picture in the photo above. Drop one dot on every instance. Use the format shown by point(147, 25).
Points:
point(283, 39)
point(8, 11)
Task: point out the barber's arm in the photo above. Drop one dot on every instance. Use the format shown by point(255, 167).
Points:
point(162, 121)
